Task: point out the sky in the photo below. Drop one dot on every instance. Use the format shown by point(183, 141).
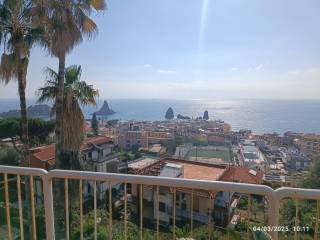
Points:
point(196, 49)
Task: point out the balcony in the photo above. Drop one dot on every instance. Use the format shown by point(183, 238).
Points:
point(25, 190)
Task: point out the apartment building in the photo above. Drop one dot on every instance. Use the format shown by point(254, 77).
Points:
point(129, 138)
point(202, 202)
point(309, 144)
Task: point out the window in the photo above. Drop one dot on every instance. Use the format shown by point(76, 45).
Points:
point(184, 205)
point(162, 207)
point(177, 197)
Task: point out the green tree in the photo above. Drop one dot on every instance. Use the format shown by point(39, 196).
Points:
point(17, 35)
point(206, 115)
point(312, 179)
point(66, 24)
point(306, 214)
point(169, 114)
point(8, 156)
point(307, 209)
point(95, 124)
point(76, 92)
point(39, 130)
point(170, 145)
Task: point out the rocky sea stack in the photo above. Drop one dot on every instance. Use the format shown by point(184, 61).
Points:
point(169, 114)
point(105, 110)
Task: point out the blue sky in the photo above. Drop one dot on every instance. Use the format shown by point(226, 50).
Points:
point(197, 49)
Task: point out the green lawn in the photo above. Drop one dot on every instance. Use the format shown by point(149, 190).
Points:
point(216, 152)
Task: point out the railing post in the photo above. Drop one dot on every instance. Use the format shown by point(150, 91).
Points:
point(273, 212)
point(48, 205)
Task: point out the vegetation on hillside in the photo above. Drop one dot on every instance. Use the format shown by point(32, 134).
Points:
point(38, 130)
point(95, 124)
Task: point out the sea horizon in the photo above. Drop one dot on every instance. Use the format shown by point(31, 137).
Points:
point(259, 115)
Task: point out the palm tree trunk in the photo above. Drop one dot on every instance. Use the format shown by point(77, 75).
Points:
point(24, 135)
point(59, 109)
point(23, 107)
point(58, 189)
point(23, 114)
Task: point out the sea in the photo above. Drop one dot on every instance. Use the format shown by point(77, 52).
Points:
point(261, 116)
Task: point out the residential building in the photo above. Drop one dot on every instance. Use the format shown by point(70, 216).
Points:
point(309, 144)
point(298, 161)
point(252, 157)
point(202, 201)
point(129, 138)
point(42, 157)
point(97, 154)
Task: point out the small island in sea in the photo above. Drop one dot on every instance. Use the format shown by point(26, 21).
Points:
point(105, 110)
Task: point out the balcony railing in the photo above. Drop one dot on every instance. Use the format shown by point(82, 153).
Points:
point(45, 194)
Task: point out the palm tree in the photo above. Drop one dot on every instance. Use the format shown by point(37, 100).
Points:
point(66, 22)
point(75, 93)
point(17, 35)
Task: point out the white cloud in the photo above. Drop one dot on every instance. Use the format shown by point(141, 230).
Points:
point(167, 72)
point(234, 69)
point(313, 70)
point(294, 72)
point(147, 65)
point(259, 67)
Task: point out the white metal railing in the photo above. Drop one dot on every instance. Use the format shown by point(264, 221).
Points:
point(273, 197)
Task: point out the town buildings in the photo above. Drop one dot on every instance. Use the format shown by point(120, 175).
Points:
point(298, 161)
point(252, 157)
point(97, 154)
point(200, 202)
point(309, 144)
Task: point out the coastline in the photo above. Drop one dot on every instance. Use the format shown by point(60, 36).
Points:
point(261, 116)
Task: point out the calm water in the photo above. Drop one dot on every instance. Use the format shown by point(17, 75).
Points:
point(258, 115)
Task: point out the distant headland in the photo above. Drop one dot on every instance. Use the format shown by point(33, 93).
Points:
point(34, 111)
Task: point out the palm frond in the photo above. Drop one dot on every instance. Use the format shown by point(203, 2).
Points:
point(99, 5)
point(51, 75)
point(72, 74)
point(87, 26)
point(49, 91)
point(86, 94)
point(73, 124)
point(67, 22)
point(8, 68)
point(17, 35)
point(46, 94)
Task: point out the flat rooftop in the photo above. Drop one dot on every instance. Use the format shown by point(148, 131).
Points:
point(142, 163)
point(204, 171)
point(250, 149)
point(190, 170)
point(201, 172)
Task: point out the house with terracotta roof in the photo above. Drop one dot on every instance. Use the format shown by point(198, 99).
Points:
point(42, 157)
point(200, 202)
point(97, 154)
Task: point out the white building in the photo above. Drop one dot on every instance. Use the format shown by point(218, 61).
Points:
point(252, 157)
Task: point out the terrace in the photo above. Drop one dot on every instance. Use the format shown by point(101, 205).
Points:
point(15, 207)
